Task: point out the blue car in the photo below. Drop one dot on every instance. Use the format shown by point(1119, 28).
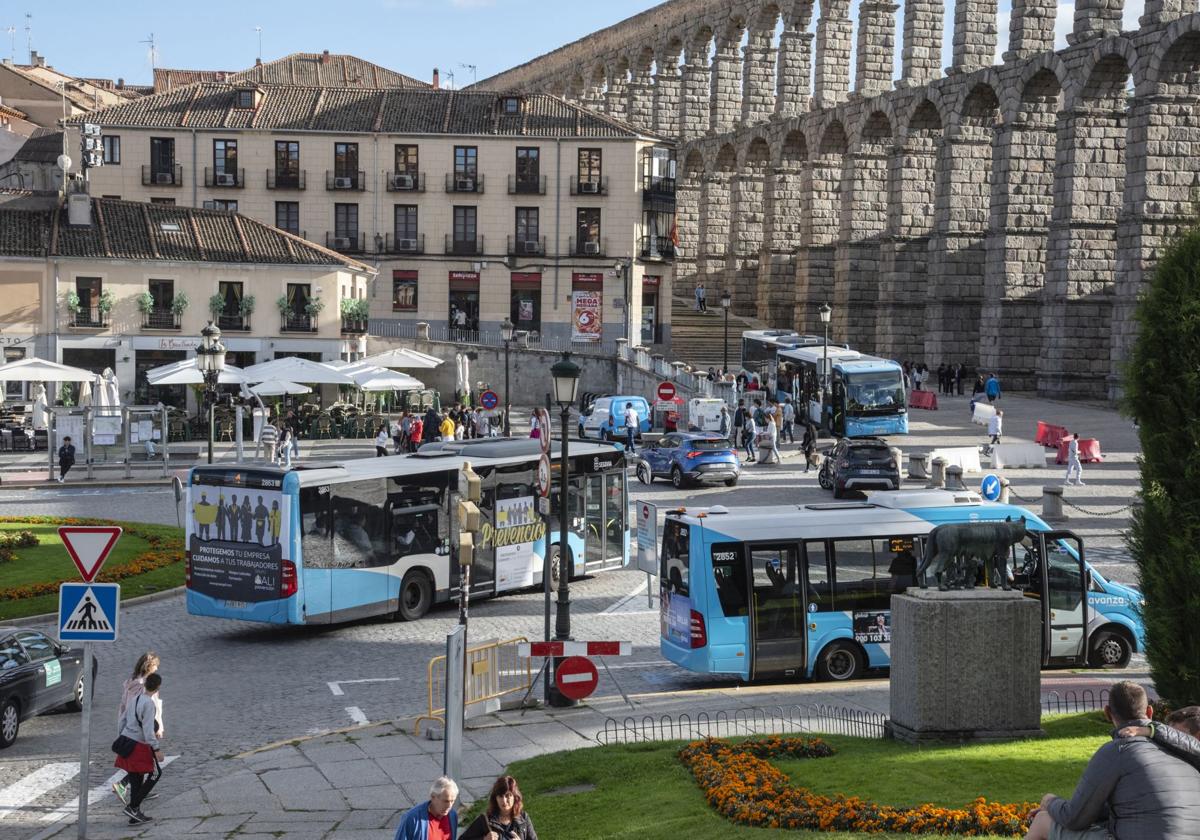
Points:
point(690, 458)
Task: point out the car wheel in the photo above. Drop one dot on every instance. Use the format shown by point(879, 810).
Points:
point(1109, 650)
point(10, 723)
point(604, 435)
point(839, 662)
point(677, 479)
point(75, 704)
point(731, 482)
point(643, 473)
point(416, 596)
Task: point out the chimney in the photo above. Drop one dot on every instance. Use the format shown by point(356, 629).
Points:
point(79, 209)
point(258, 62)
point(120, 84)
point(437, 85)
point(36, 59)
point(325, 57)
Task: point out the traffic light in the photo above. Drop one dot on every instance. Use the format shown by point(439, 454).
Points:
point(469, 520)
point(469, 484)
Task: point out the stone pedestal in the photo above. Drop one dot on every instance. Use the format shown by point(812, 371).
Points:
point(966, 666)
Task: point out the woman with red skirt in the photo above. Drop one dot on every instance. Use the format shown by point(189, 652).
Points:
point(142, 764)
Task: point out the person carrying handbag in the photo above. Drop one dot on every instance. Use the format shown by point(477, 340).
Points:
point(137, 748)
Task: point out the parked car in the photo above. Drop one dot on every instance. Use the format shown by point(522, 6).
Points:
point(37, 675)
point(859, 464)
point(690, 458)
point(593, 419)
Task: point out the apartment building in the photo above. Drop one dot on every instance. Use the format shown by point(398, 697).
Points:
point(473, 206)
point(103, 283)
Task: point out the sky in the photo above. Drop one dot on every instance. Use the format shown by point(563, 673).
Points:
point(466, 39)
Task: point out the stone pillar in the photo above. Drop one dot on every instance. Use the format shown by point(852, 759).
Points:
point(694, 98)
point(921, 56)
point(666, 96)
point(856, 269)
point(758, 78)
point(795, 70)
point(974, 35)
point(714, 227)
point(593, 94)
point(876, 45)
point(615, 96)
point(726, 89)
point(1031, 28)
point(834, 33)
point(1095, 19)
point(1161, 11)
point(781, 237)
point(745, 240)
point(820, 199)
point(687, 222)
point(640, 102)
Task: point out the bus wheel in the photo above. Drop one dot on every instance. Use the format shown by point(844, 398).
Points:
point(555, 568)
point(840, 661)
point(416, 596)
point(1109, 650)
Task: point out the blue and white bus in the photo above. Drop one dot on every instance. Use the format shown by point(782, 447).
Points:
point(806, 591)
point(760, 350)
point(866, 393)
point(331, 543)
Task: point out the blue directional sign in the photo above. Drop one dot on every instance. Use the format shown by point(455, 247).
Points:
point(88, 612)
point(989, 488)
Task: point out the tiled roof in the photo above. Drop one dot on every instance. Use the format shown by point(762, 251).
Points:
point(43, 146)
point(326, 70)
point(168, 79)
point(131, 230)
point(359, 110)
point(75, 96)
point(12, 113)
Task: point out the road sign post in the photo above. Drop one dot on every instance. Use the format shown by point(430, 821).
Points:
point(647, 545)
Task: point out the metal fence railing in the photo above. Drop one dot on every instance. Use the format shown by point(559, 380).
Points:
point(493, 671)
point(1072, 701)
point(771, 720)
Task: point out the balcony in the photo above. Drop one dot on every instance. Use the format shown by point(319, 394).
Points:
point(277, 180)
point(393, 244)
point(534, 247)
point(336, 182)
point(235, 322)
point(658, 187)
point(587, 247)
point(526, 186)
point(297, 322)
point(464, 247)
point(347, 242)
point(162, 176)
point(161, 319)
point(589, 186)
point(657, 248)
point(89, 318)
point(354, 326)
point(464, 182)
point(220, 180)
point(406, 182)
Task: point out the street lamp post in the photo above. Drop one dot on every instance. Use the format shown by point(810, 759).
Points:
point(210, 359)
point(565, 374)
point(726, 302)
point(506, 332)
point(826, 312)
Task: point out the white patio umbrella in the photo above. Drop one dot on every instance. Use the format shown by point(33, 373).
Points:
point(185, 372)
point(402, 357)
point(293, 369)
point(85, 393)
point(276, 388)
point(102, 394)
point(388, 380)
point(112, 386)
point(40, 370)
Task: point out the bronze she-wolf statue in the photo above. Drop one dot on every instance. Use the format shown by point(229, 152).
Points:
point(954, 553)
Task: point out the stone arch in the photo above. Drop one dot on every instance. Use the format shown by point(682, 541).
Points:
point(575, 87)
point(687, 216)
point(794, 150)
point(665, 100)
point(928, 114)
point(594, 82)
point(833, 139)
point(1175, 33)
point(759, 71)
point(695, 84)
point(782, 215)
point(746, 226)
point(794, 59)
point(725, 106)
point(639, 102)
point(1012, 97)
point(1108, 53)
point(820, 210)
point(715, 215)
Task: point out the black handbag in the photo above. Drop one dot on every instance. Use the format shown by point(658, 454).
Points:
point(124, 745)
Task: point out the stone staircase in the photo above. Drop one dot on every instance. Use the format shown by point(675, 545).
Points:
point(699, 338)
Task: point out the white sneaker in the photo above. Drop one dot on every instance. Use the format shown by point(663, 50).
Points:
point(1080, 483)
point(61, 479)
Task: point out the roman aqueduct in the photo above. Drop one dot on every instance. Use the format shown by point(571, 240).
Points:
point(1003, 215)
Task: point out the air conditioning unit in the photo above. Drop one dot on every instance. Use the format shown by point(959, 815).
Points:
point(465, 185)
point(225, 179)
point(531, 246)
point(403, 182)
point(343, 183)
point(406, 245)
point(591, 247)
point(589, 186)
point(341, 242)
point(163, 178)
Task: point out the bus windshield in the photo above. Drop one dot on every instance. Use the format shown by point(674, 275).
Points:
point(881, 392)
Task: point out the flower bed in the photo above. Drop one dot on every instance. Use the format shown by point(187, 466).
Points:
point(12, 540)
point(742, 784)
point(163, 552)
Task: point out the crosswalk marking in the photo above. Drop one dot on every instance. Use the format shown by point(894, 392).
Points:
point(41, 781)
point(70, 809)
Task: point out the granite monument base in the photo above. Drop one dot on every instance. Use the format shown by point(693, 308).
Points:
point(966, 665)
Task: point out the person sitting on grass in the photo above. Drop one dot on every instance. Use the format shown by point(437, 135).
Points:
point(1181, 735)
point(1131, 789)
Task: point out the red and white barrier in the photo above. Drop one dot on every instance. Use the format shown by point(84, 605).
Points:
point(553, 649)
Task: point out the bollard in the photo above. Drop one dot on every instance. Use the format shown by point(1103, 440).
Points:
point(918, 466)
point(937, 475)
point(954, 479)
point(422, 330)
point(1004, 491)
point(1052, 507)
point(898, 459)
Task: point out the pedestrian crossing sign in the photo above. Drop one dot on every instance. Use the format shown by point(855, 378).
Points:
point(88, 612)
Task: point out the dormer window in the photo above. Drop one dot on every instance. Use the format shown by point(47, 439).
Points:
point(511, 104)
point(247, 97)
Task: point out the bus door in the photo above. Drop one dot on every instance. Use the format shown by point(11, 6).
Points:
point(777, 616)
point(1064, 609)
point(615, 515)
point(837, 419)
point(595, 522)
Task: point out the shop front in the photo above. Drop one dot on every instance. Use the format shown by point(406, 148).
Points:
point(526, 302)
point(17, 347)
point(651, 331)
point(464, 305)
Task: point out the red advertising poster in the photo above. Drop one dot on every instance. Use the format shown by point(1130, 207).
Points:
point(586, 324)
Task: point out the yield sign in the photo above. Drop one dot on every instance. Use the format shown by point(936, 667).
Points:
point(88, 546)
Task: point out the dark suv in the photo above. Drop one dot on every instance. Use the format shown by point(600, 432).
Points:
point(862, 464)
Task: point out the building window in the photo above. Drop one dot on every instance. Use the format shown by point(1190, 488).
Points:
point(345, 221)
point(297, 317)
point(528, 170)
point(287, 216)
point(466, 161)
point(166, 202)
point(231, 316)
point(405, 223)
point(112, 149)
point(162, 157)
point(287, 163)
point(229, 206)
point(160, 316)
point(88, 290)
point(404, 291)
point(527, 228)
point(245, 99)
point(14, 389)
point(406, 160)
point(465, 230)
point(225, 160)
point(589, 170)
point(345, 162)
point(587, 230)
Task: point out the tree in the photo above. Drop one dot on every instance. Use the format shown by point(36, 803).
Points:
point(1162, 388)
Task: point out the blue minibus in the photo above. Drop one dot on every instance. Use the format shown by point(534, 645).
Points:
point(805, 591)
point(865, 394)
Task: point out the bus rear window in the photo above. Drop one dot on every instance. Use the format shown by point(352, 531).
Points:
point(675, 559)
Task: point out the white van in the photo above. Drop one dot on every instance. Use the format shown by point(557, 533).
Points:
point(704, 414)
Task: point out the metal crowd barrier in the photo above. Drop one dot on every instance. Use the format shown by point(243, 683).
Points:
point(493, 671)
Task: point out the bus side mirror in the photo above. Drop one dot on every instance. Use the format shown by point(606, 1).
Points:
point(1087, 579)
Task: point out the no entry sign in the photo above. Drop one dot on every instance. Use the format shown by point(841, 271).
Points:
point(666, 391)
point(576, 677)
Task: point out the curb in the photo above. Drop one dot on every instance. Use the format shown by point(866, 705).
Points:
point(104, 482)
point(131, 602)
point(399, 723)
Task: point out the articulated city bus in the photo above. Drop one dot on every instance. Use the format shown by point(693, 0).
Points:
point(803, 591)
point(760, 350)
point(865, 397)
point(327, 544)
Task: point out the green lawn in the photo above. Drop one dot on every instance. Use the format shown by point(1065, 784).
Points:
point(643, 787)
point(48, 561)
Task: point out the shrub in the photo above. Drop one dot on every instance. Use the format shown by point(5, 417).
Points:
point(281, 303)
point(106, 302)
point(216, 305)
point(145, 303)
point(246, 307)
point(179, 303)
point(73, 304)
point(313, 307)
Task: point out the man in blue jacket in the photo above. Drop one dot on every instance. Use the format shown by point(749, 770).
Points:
point(992, 388)
point(435, 819)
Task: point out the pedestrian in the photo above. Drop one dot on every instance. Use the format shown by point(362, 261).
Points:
point(142, 763)
point(770, 442)
point(268, 439)
point(958, 378)
point(381, 441)
point(397, 430)
point(286, 447)
point(789, 421)
point(505, 817)
point(293, 424)
point(1074, 467)
point(703, 298)
point(992, 388)
point(66, 458)
point(699, 296)
point(430, 425)
point(632, 426)
point(749, 436)
point(739, 422)
point(434, 819)
point(941, 375)
point(809, 443)
point(917, 378)
point(416, 430)
point(446, 427)
point(996, 426)
point(723, 428)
